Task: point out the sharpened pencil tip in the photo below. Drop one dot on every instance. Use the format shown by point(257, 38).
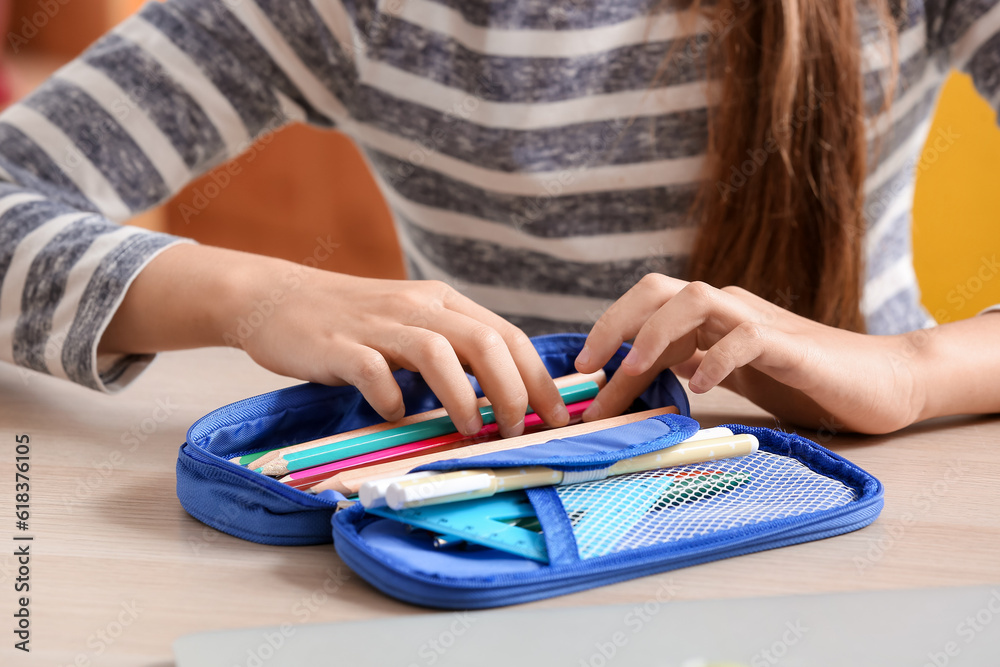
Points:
point(275, 468)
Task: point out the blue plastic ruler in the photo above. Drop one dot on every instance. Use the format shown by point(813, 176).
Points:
point(601, 512)
point(491, 522)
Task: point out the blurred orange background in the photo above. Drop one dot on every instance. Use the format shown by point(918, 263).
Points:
point(306, 184)
point(956, 213)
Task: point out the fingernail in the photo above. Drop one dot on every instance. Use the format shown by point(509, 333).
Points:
point(583, 358)
point(592, 412)
point(631, 359)
point(515, 430)
point(561, 415)
point(697, 383)
point(473, 427)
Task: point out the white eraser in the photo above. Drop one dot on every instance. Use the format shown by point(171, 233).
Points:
point(709, 433)
point(400, 496)
point(372, 494)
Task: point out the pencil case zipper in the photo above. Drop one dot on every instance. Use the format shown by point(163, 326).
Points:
point(244, 503)
point(410, 578)
point(513, 589)
point(257, 479)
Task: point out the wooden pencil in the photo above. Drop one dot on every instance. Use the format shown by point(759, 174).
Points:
point(573, 388)
point(349, 481)
point(303, 479)
point(263, 458)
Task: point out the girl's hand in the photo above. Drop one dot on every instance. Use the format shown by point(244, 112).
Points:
point(336, 329)
point(339, 329)
point(795, 368)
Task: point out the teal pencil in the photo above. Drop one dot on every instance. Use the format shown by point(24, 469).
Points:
point(323, 454)
point(262, 458)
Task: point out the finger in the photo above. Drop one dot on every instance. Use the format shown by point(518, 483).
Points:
point(432, 355)
point(686, 368)
point(368, 370)
point(695, 306)
point(748, 344)
point(486, 354)
point(509, 369)
point(618, 394)
point(543, 395)
point(624, 318)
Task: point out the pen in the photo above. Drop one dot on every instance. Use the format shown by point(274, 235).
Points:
point(467, 484)
point(350, 481)
point(373, 495)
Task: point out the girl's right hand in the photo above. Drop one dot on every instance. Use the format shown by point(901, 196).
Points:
point(336, 329)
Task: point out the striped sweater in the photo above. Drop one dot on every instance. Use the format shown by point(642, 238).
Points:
point(530, 154)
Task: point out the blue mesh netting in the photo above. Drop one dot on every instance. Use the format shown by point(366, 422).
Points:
point(667, 505)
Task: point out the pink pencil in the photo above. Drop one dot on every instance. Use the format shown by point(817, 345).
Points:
point(303, 479)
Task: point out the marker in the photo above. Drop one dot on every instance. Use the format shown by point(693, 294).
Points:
point(349, 482)
point(482, 483)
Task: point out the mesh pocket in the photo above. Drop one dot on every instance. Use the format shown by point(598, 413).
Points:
point(661, 506)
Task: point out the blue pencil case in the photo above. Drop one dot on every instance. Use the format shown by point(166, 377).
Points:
point(589, 534)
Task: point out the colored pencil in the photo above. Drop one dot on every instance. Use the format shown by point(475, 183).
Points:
point(261, 458)
point(303, 479)
point(328, 453)
point(349, 481)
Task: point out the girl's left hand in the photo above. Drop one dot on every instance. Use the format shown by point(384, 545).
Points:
point(795, 368)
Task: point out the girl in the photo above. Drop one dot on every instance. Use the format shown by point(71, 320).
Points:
point(544, 161)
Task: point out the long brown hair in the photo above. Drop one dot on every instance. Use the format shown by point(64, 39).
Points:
point(781, 214)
